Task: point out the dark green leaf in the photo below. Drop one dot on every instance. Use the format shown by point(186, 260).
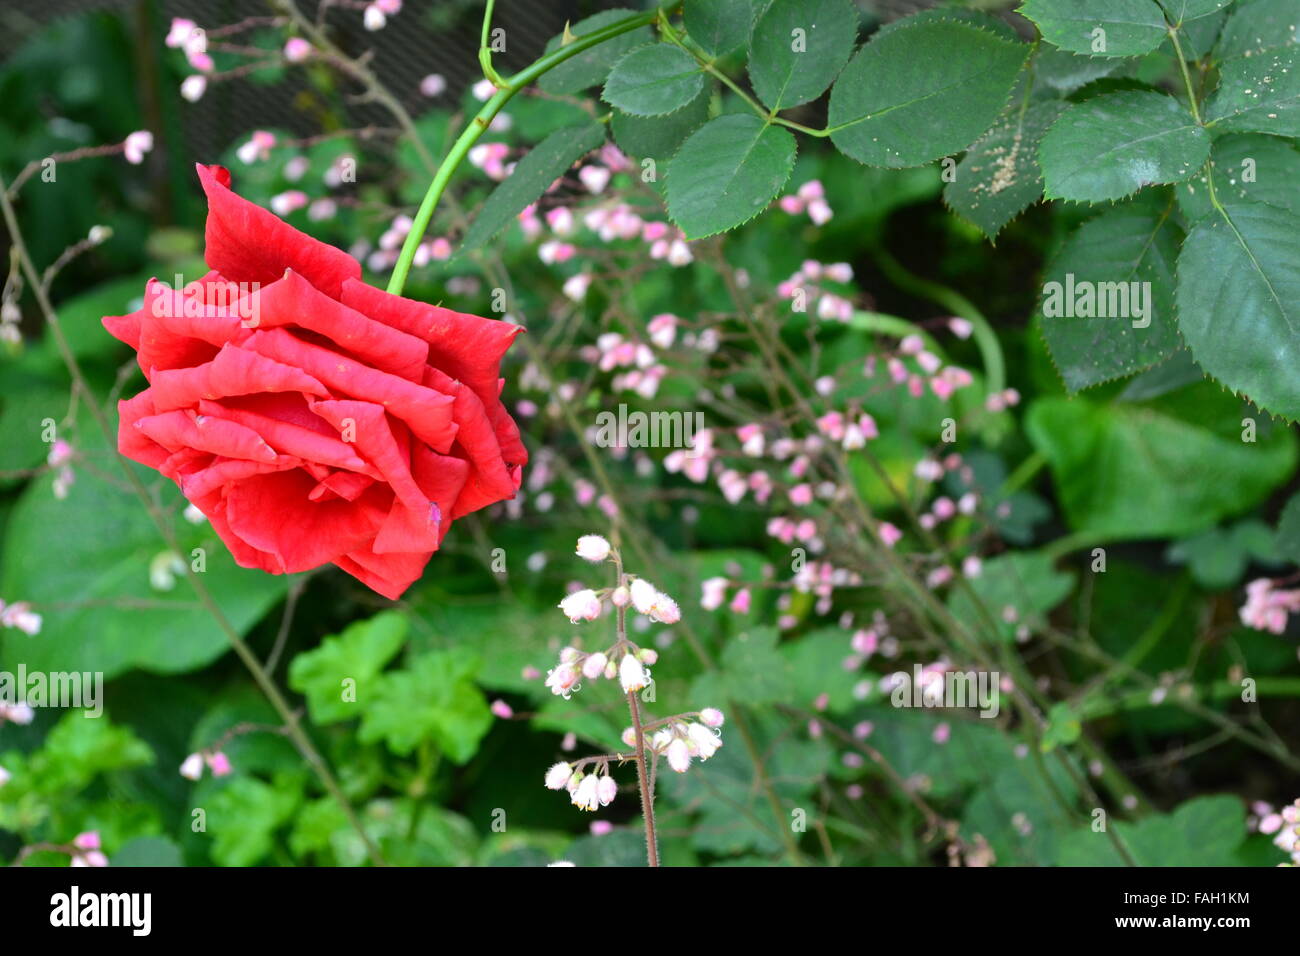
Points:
point(1257, 26)
point(1123, 261)
point(718, 26)
point(797, 48)
point(727, 172)
point(1239, 302)
point(1099, 27)
point(1248, 168)
point(918, 92)
point(1258, 94)
point(653, 81)
point(1112, 145)
point(999, 176)
point(658, 137)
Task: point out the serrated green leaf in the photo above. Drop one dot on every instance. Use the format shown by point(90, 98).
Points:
point(1171, 467)
point(727, 172)
point(533, 174)
point(357, 655)
point(1257, 26)
point(718, 26)
point(999, 176)
point(916, 93)
point(1099, 27)
point(659, 137)
point(1238, 302)
point(1258, 94)
point(1247, 168)
point(1180, 11)
point(1110, 257)
point(435, 699)
point(591, 66)
point(1110, 146)
point(797, 48)
point(653, 81)
point(1066, 72)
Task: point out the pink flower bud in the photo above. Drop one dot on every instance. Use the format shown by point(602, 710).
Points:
point(558, 776)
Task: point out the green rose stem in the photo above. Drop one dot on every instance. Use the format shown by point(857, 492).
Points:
point(291, 724)
point(507, 87)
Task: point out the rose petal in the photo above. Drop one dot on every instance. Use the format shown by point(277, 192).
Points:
point(246, 243)
point(234, 371)
point(466, 347)
point(427, 412)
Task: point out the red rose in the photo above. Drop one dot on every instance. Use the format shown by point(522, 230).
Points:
point(311, 417)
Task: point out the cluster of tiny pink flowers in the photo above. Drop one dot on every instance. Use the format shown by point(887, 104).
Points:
point(215, 761)
point(681, 740)
point(85, 850)
point(643, 370)
point(586, 604)
point(806, 285)
point(20, 616)
point(628, 666)
point(942, 380)
point(1283, 825)
point(587, 791)
point(1267, 606)
point(809, 198)
point(390, 244)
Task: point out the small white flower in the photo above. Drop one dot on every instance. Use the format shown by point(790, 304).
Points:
point(711, 717)
point(562, 680)
point(703, 742)
point(592, 547)
point(594, 666)
point(679, 755)
point(606, 790)
point(558, 776)
point(193, 88)
point(632, 674)
point(643, 595)
point(136, 145)
point(192, 768)
point(581, 605)
point(586, 796)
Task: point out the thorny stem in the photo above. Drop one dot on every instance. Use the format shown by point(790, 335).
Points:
point(634, 706)
point(291, 723)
